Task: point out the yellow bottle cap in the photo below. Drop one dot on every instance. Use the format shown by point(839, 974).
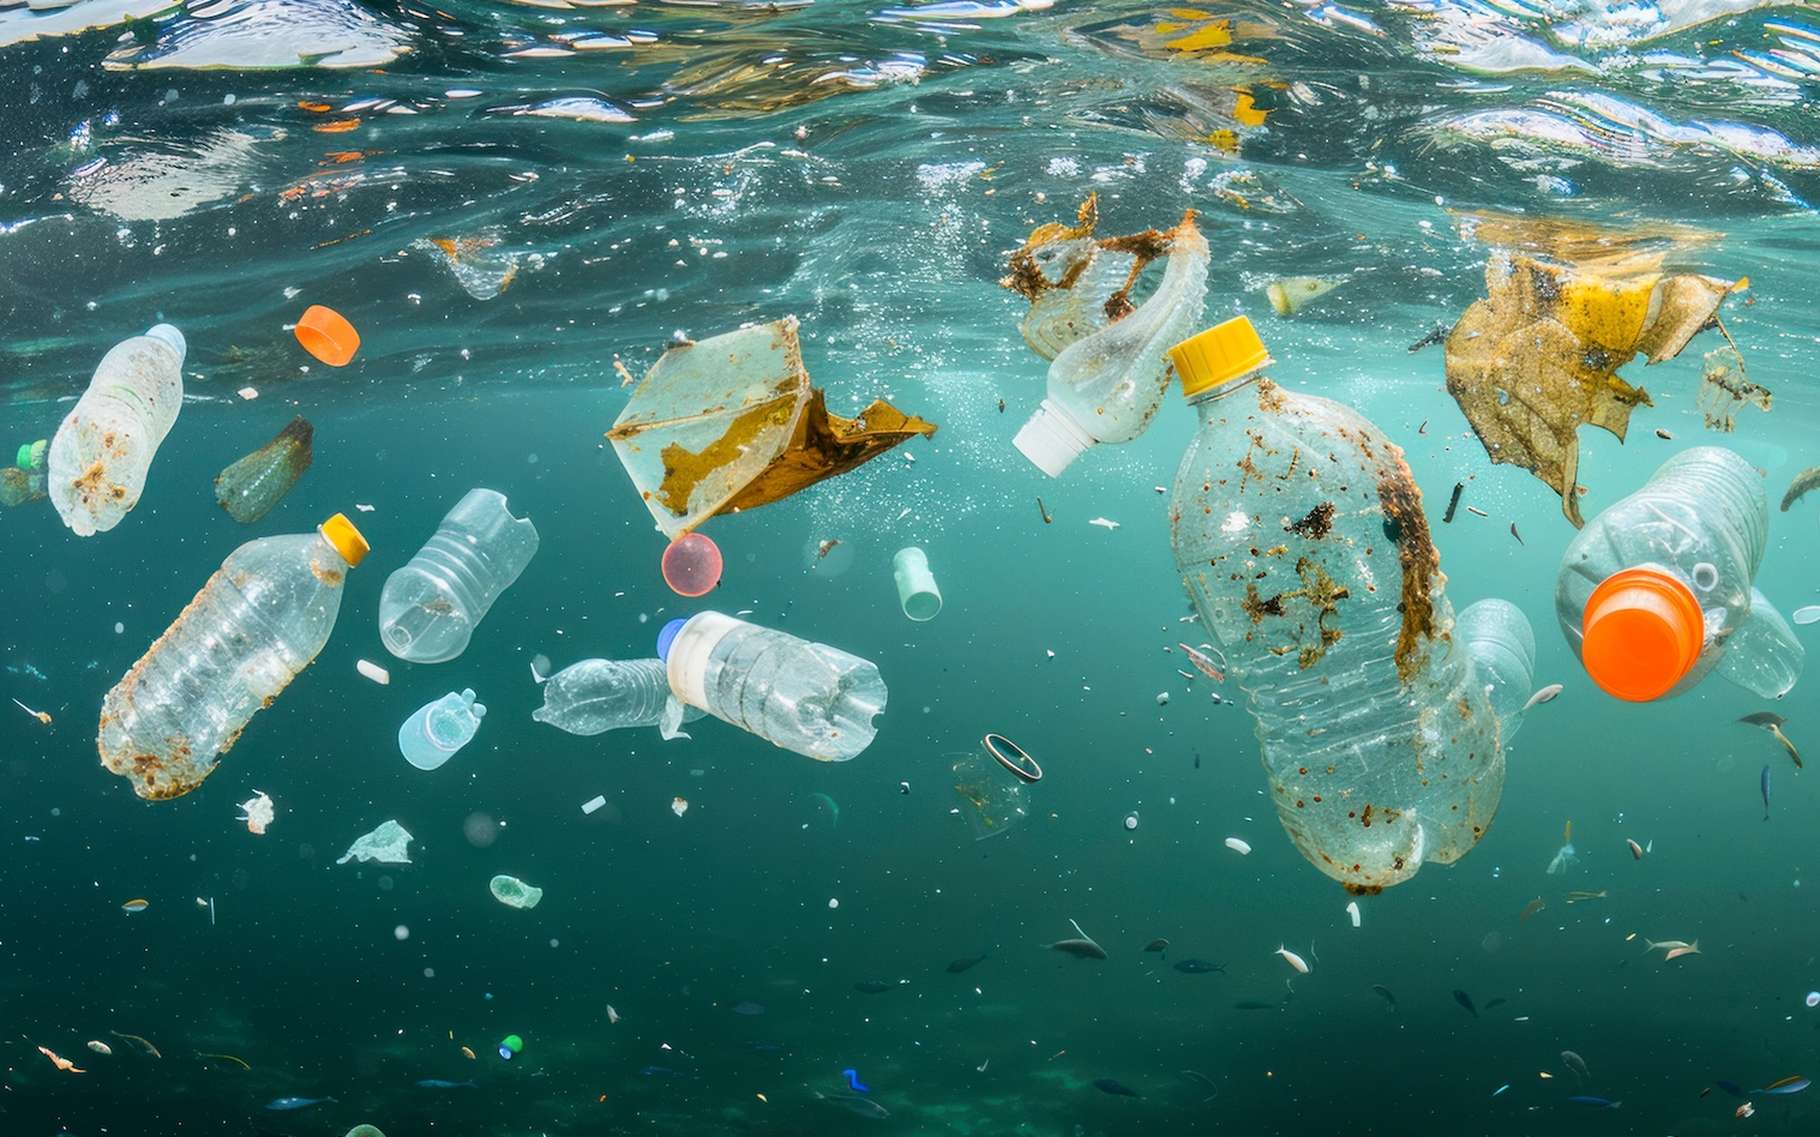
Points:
point(340, 532)
point(1218, 355)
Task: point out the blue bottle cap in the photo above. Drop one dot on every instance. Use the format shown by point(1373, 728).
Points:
point(667, 636)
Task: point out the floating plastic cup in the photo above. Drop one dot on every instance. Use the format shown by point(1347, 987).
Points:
point(433, 735)
point(692, 565)
point(992, 801)
point(917, 592)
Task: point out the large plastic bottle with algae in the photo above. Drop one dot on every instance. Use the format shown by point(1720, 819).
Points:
point(1301, 540)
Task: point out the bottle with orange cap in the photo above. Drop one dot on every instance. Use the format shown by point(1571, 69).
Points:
point(1302, 542)
point(1656, 592)
point(1107, 386)
point(259, 621)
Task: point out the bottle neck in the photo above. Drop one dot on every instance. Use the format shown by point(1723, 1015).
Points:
point(1230, 387)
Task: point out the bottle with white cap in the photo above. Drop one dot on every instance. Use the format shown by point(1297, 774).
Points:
point(257, 623)
point(101, 452)
point(1106, 387)
point(809, 698)
point(1300, 536)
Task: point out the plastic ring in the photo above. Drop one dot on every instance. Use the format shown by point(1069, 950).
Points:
point(1013, 757)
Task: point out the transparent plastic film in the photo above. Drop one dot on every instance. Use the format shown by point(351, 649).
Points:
point(989, 797)
point(1499, 641)
point(1763, 657)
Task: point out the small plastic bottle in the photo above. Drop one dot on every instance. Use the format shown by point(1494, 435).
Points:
point(917, 593)
point(1502, 646)
point(430, 607)
point(809, 698)
point(1107, 386)
point(258, 622)
point(598, 695)
point(101, 452)
point(437, 730)
point(1656, 591)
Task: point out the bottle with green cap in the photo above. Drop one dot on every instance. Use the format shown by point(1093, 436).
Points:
point(509, 1046)
point(1300, 537)
point(31, 454)
point(257, 623)
point(1107, 386)
point(25, 481)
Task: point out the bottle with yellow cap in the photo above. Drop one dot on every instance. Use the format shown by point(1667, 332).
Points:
point(1107, 386)
point(260, 620)
point(1301, 540)
point(1656, 591)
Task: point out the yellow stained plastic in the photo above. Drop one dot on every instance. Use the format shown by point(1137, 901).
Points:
point(1218, 355)
point(340, 532)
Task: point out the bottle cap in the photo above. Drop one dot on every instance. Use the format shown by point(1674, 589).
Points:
point(1218, 355)
point(327, 335)
point(31, 454)
point(170, 337)
point(1052, 439)
point(340, 532)
point(1641, 632)
point(666, 636)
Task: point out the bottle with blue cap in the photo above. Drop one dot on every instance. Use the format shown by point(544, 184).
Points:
point(101, 453)
point(809, 698)
point(431, 736)
point(1301, 539)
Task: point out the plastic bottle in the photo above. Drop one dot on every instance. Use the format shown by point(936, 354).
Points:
point(1656, 591)
point(430, 607)
point(101, 452)
point(1302, 542)
point(438, 729)
point(1107, 386)
point(917, 593)
point(1502, 646)
point(25, 481)
point(598, 695)
point(252, 485)
point(809, 698)
point(258, 621)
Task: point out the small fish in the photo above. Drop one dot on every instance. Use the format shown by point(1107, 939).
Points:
point(1080, 949)
point(1596, 1103)
point(1664, 435)
point(1545, 695)
point(1531, 909)
point(1500, 1089)
point(1773, 722)
point(1803, 482)
point(1677, 953)
point(1294, 960)
point(1575, 1063)
point(1666, 945)
point(1157, 945)
point(1580, 895)
point(1514, 533)
point(100, 1048)
point(39, 715)
point(955, 967)
point(443, 1084)
point(1103, 522)
point(144, 1045)
point(61, 1062)
point(137, 904)
point(1476, 511)
point(1636, 850)
point(287, 1104)
point(1437, 335)
point(1789, 1085)
point(1199, 967)
point(1115, 1088)
point(1465, 1000)
point(1763, 781)
point(1390, 1000)
point(1495, 1003)
point(1044, 510)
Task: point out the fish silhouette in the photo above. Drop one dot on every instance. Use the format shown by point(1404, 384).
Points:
point(1465, 1000)
point(1115, 1088)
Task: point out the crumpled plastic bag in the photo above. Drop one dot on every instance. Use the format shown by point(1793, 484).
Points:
point(732, 423)
point(1538, 355)
point(389, 845)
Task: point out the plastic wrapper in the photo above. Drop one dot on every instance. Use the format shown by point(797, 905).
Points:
point(732, 423)
point(389, 845)
point(991, 799)
point(250, 487)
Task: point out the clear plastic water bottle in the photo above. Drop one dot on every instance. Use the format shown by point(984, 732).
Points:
point(598, 695)
point(1656, 591)
point(809, 698)
point(100, 454)
point(430, 607)
point(1502, 646)
point(1107, 386)
point(1302, 542)
point(438, 729)
point(258, 621)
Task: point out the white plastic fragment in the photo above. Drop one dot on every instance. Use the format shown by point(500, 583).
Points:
point(593, 803)
point(373, 671)
point(1352, 909)
point(363, 508)
point(514, 893)
point(248, 393)
point(1239, 845)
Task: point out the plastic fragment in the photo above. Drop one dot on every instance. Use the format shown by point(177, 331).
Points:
point(389, 845)
point(514, 893)
point(373, 671)
point(593, 803)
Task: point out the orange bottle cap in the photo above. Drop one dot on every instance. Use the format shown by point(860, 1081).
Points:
point(1641, 632)
point(340, 532)
point(327, 335)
